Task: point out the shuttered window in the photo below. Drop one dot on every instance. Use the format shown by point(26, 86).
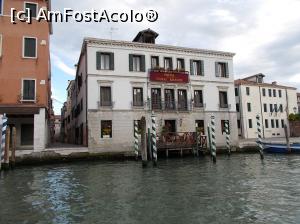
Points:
point(29, 47)
point(105, 96)
point(197, 67)
point(105, 61)
point(154, 62)
point(138, 97)
point(32, 7)
point(223, 99)
point(168, 63)
point(137, 63)
point(221, 69)
point(28, 89)
point(198, 98)
point(180, 64)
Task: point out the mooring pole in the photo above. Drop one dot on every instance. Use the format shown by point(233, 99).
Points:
point(287, 137)
point(144, 142)
point(227, 137)
point(209, 139)
point(259, 141)
point(213, 139)
point(149, 144)
point(4, 126)
point(153, 121)
point(13, 147)
point(197, 141)
point(136, 140)
point(6, 151)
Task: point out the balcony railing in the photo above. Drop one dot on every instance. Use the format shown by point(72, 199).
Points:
point(198, 105)
point(224, 106)
point(109, 104)
point(138, 104)
point(170, 105)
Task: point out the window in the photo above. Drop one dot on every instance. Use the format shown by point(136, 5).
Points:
point(198, 98)
point(249, 107)
point(277, 123)
point(1, 42)
point(182, 99)
point(272, 123)
point(237, 107)
point(223, 126)
point(282, 123)
point(169, 99)
point(222, 69)
point(236, 91)
point(279, 93)
point(200, 126)
point(280, 108)
point(250, 123)
point(223, 99)
point(265, 108)
point(29, 47)
point(197, 67)
point(264, 92)
point(138, 97)
point(105, 96)
point(275, 108)
point(106, 129)
point(274, 92)
point(271, 108)
point(105, 61)
point(168, 63)
point(28, 90)
point(27, 134)
point(239, 124)
point(156, 98)
point(248, 91)
point(32, 7)
point(1, 7)
point(270, 92)
point(137, 63)
point(266, 123)
point(154, 62)
point(180, 64)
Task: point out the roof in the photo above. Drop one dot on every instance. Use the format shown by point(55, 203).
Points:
point(252, 76)
point(251, 83)
point(145, 31)
point(97, 41)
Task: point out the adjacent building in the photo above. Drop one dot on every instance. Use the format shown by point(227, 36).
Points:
point(272, 102)
point(118, 82)
point(298, 102)
point(25, 76)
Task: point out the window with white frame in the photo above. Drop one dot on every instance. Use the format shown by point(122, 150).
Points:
point(29, 47)
point(28, 90)
point(32, 7)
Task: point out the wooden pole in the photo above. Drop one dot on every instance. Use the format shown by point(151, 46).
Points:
point(153, 121)
point(149, 144)
point(213, 139)
point(13, 147)
point(144, 142)
point(209, 139)
point(287, 138)
point(136, 141)
point(227, 137)
point(6, 152)
point(4, 126)
point(259, 141)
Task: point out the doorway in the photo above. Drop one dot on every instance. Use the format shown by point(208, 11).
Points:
point(170, 125)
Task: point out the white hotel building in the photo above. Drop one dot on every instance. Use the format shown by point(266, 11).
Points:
point(272, 102)
point(118, 82)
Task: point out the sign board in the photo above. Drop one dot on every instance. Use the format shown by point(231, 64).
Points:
point(169, 76)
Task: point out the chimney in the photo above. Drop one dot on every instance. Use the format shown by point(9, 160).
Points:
point(274, 83)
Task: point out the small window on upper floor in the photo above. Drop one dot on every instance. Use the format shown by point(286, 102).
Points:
point(137, 63)
point(168, 63)
point(32, 7)
point(180, 64)
point(154, 62)
point(274, 93)
point(105, 61)
point(1, 6)
point(197, 67)
point(264, 92)
point(28, 90)
point(222, 69)
point(279, 93)
point(248, 91)
point(29, 47)
point(236, 91)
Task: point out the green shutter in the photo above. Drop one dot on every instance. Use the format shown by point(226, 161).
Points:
point(227, 70)
point(112, 61)
point(143, 63)
point(191, 67)
point(98, 60)
point(130, 62)
point(202, 68)
point(216, 69)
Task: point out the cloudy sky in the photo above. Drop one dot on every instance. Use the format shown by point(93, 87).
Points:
point(264, 34)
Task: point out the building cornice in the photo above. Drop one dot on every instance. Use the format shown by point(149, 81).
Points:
point(136, 45)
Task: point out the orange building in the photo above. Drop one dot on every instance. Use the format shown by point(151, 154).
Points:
point(25, 73)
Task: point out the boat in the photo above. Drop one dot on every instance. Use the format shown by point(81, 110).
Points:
point(281, 148)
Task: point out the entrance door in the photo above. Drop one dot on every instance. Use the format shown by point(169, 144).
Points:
point(156, 98)
point(182, 99)
point(200, 126)
point(170, 125)
point(26, 134)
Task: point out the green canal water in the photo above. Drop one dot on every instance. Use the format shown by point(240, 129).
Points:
point(240, 189)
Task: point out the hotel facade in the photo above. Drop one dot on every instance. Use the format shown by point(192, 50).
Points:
point(118, 82)
point(272, 102)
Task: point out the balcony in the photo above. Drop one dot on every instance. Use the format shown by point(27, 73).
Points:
point(170, 105)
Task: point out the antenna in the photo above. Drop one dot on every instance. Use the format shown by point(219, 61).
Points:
point(112, 29)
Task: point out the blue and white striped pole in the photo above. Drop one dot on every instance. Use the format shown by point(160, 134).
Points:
point(153, 121)
point(4, 126)
point(259, 140)
point(136, 140)
point(213, 139)
point(227, 137)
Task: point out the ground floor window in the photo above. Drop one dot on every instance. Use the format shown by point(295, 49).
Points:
point(106, 129)
point(170, 126)
point(223, 126)
point(250, 123)
point(27, 134)
point(200, 126)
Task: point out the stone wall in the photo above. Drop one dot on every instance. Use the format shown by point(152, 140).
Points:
point(295, 128)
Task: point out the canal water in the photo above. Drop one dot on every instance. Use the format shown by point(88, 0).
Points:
point(239, 189)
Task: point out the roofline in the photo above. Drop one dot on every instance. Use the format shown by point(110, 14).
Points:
point(250, 83)
point(99, 41)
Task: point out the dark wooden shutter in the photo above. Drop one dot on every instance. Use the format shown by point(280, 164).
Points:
point(227, 70)
point(98, 60)
point(216, 69)
point(112, 61)
point(143, 63)
point(130, 62)
point(191, 67)
point(171, 63)
point(202, 68)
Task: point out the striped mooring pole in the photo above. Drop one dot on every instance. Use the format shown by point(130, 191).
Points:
point(227, 138)
point(153, 121)
point(136, 140)
point(213, 139)
point(4, 126)
point(259, 141)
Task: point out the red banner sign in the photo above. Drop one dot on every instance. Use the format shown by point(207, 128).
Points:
point(169, 76)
